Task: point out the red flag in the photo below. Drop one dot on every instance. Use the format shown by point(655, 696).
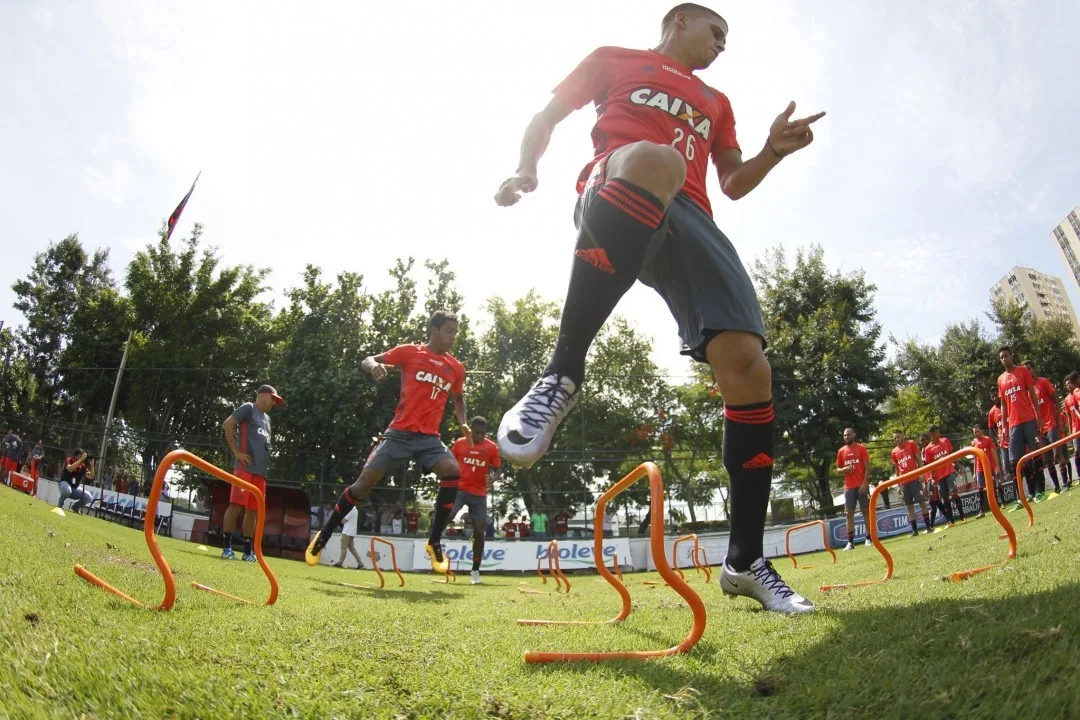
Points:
point(175, 217)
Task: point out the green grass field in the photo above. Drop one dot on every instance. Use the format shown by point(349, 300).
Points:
point(1003, 644)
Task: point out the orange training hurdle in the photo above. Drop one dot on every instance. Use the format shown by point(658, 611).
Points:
point(555, 570)
point(1021, 492)
point(393, 561)
point(703, 563)
point(824, 537)
point(656, 542)
point(151, 540)
point(871, 522)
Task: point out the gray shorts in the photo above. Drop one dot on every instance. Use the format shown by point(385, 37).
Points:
point(946, 486)
point(1052, 435)
point(695, 268)
point(855, 495)
point(477, 505)
point(912, 492)
point(1022, 440)
point(397, 446)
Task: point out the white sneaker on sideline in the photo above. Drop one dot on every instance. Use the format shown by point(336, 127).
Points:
point(526, 430)
point(850, 546)
point(762, 583)
point(474, 577)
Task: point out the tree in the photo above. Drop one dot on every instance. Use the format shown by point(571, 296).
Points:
point(1050, 344)
point(956, 378)
point(61, 279)
point(201, 343)
point(327, 426)
point(828, 363)
point(17, 383)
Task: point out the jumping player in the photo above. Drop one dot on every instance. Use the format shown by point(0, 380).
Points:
point(247, 431)
point(644, 214)
point(1046, 394)
point(478, 460)
point(429, 375)
point(853, 463)
point(906, 457)
point(1018, 403)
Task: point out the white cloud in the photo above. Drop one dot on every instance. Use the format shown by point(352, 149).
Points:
point(348, 134)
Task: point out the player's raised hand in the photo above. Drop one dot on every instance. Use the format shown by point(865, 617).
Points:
point(379, 371)
point(511, 189)
point(787, 136)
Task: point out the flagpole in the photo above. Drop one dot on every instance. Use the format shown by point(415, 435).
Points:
point(112, 409)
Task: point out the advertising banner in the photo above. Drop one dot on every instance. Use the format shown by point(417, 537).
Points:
point(523, 554)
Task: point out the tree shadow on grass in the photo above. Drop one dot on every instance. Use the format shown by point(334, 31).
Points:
point(335, 589)
point(975, 657)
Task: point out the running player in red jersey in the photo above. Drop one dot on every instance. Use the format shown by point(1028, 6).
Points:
point(1046, 394)
point(853, 462)
point(479, 462)
point(906, 457)
point(985, 444)
point(1018, 403)
point(429, 375)
point(644, 214)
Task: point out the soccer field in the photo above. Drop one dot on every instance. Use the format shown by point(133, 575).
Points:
point(1002, 644)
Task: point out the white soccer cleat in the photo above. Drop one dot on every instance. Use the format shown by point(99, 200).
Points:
point(868, 543)
point(762, 583)
point(526, 431)
point(850, 546)
point(474, 577)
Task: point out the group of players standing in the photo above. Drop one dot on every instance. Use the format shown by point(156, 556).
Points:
point(1025, 415)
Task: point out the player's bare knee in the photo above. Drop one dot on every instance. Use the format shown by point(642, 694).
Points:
point(660, 169)
point(743, 373)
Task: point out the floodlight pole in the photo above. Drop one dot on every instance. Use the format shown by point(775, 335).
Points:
point(112, 409)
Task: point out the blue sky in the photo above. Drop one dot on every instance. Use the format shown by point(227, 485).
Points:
point(345, 135)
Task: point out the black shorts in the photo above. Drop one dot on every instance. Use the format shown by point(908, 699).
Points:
point(398, 446)
point(913, 492)
point(695, 268)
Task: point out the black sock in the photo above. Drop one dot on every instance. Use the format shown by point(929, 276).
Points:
point(345, 503)
point(928, 522)
point(477, 552)
point(228, 542)
point(1054, 476)
point(959, 508)
point(1029, 480)
point(747, 453)
point(444, 504)
point(614, 233)
point(1076, 461)
point(946, 511)
point(1066, 472)
point(933, 514)
point(247, 546)
point(983, 502)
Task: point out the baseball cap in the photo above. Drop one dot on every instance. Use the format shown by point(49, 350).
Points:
point(278, 400)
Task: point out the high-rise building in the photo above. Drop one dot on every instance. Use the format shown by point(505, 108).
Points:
point(1066, 237)
point(1042, 296)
